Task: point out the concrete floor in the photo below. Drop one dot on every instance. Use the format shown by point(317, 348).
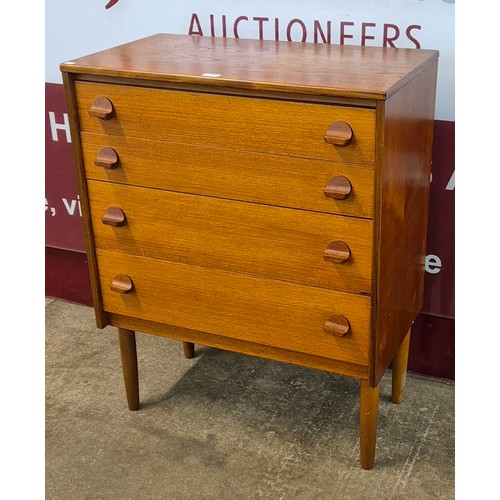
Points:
point(228, 426)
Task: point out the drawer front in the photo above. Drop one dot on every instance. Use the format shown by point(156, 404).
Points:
point(270, 312)
point(243, 237)
point(240, 175)
point(248, 124)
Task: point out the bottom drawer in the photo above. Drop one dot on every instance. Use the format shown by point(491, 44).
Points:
point(264, 311)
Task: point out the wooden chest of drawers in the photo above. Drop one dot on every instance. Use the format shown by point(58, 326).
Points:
point(264, 197)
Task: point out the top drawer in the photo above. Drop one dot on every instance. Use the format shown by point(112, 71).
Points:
point(241, 123)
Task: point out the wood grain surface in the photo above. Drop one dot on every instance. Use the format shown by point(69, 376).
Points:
point(256, 65)
point(241, 346)
point(242, 237)
point(240, 175)
point(71, 106)
point(403, 185)
point(237, 123)
point(265, 311)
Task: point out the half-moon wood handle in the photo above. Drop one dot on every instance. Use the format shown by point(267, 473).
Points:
point(101, 108)
point(106, 158)
point(337, 251)
point(337, 325)
point(114, 216)
point(122, 283)
point(338, 187)
point(339, 134)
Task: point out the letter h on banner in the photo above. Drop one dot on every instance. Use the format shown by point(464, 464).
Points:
point(54, 126)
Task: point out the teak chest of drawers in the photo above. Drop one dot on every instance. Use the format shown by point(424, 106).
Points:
point(264, 197)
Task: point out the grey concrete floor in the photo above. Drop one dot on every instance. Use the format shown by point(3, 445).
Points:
point(228, 426)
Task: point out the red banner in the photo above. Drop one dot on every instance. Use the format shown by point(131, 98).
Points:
point(63, 223)
point(439, 297)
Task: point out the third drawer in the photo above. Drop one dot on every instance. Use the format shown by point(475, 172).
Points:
point(317, 249)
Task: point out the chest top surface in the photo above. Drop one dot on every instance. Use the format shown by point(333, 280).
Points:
point(307, 68)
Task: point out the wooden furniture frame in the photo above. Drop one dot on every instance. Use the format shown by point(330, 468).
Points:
point(268, 198)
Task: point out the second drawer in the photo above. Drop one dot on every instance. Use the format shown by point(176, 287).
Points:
point(241, 175)
point(293, 245)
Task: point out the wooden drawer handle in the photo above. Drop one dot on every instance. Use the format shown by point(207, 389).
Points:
point(337, 325)
point(338, 187)
point(122, 284)
point(339, 134)
point(101, 108)
point(106, 158)
point(114, 216)
point(337, 251)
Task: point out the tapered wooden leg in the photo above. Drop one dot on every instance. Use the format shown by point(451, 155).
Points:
point(368, 416)
point(399, 365)
point(188, 349)
point(128, 352)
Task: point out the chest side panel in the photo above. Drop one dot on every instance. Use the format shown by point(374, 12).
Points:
point(402, 185)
